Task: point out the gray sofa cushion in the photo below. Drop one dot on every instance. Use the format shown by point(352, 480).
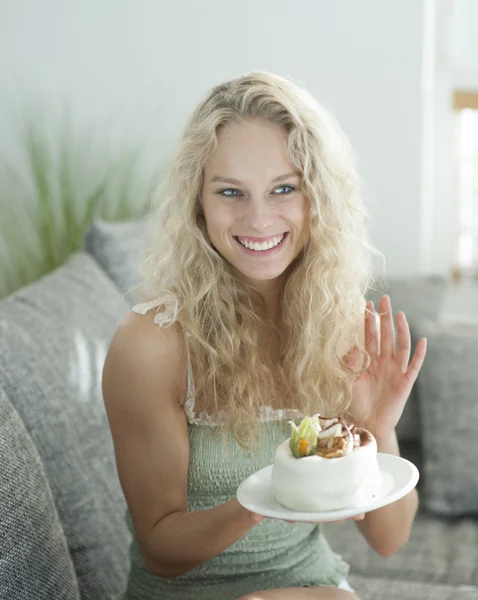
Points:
point(449, 413)
point(34, 560)
point(54, 336)
point(118, 246)
point(438, 552)
point(374, 588)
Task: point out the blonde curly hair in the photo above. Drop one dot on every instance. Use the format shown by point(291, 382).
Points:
point(322, 303)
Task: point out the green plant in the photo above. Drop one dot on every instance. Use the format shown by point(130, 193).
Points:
point(48, 203)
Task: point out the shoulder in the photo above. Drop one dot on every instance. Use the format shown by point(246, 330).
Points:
point(145, 356)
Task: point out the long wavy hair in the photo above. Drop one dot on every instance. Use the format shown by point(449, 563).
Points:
point(322, 304)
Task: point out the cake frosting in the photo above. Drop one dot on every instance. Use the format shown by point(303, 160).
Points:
point(326, 465)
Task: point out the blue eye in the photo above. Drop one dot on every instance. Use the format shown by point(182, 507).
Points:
point(235, 193)
point(290, 188)
point(227, 195)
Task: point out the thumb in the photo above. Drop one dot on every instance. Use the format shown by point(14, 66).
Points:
point(255, 518)
point(355, 360)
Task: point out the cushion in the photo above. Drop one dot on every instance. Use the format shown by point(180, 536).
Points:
point(449, 413)
point(118, 247)
point(54, 336)
point(374, 588)
point(34, 560)
point(439, 551)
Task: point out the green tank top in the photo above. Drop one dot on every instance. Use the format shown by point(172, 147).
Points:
point(273, 554)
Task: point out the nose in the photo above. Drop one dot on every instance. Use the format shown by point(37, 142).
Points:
point(258, 214)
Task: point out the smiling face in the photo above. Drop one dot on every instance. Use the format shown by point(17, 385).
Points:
point(256, 215)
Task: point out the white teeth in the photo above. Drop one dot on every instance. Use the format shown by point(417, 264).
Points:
point(264, 246)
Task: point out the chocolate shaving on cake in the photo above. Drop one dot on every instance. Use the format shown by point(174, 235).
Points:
point(338, 438)
point(329, 437)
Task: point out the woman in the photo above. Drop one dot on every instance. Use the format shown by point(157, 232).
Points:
point(256, 279)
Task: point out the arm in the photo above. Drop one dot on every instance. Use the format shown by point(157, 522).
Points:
point(144, 389)
point(388, 529)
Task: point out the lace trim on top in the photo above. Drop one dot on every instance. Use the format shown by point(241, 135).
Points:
point(267, 414)
point(160, 318)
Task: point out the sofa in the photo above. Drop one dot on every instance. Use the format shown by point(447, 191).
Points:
point(63, 533)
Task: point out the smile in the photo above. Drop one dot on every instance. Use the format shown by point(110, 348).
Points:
point(257, 245)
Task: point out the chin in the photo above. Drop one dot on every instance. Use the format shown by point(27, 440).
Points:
point(264, 275)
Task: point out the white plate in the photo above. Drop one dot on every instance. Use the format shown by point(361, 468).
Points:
point(400, 476)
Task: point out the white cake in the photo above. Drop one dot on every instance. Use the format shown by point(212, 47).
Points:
point(335, 466)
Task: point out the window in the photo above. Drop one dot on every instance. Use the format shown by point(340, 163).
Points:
point(466, 146)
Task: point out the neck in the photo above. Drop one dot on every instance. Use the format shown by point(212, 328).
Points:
point(271, 292)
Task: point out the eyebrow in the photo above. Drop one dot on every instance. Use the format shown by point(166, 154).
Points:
point(218, 178)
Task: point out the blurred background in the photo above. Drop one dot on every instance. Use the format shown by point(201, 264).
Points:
point(94, 96)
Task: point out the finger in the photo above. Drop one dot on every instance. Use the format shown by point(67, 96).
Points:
point(371, 329)
point(404, 342)
point(387, 330)
point(417, 360)
point(256, 518)
point(360, 517)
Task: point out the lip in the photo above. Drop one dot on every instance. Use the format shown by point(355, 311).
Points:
point(268, 252)
point(261, 239)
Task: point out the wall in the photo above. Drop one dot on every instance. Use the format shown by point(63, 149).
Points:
point(455, 66)
point(133, 69)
